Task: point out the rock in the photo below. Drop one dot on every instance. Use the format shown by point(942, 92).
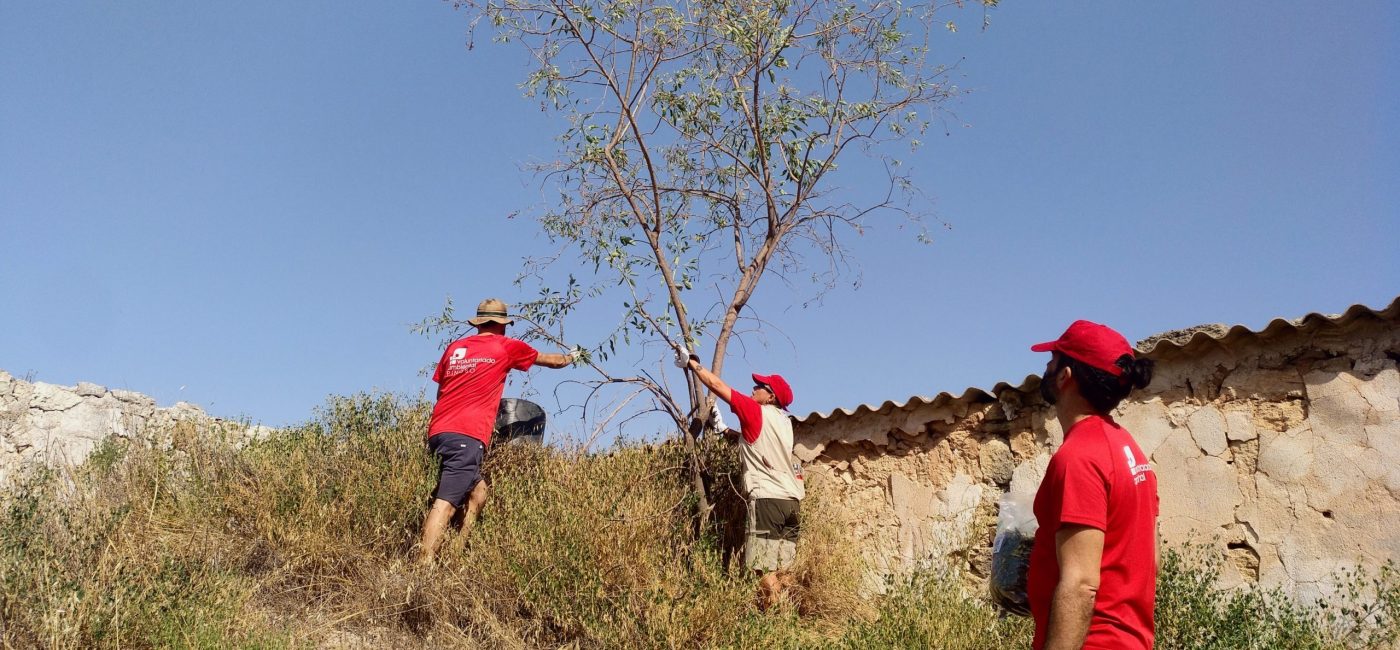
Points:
point(1025, 479)
point(1198, 494)
point(910, 501)
point(1262, 384)
point(69, 451)
point(1044, 422)
point(1207, 428)
point(53, 424)
point(133, 397)
point(88, 421)
point(1148, 423)
point(41, 421)
point(186, 411)
point(1382, 393)
point(1286, 457)
point(807, 451)
point(1279, 416)
point(48, 397)
point(1338, 474)
point(913, 506)
point(957, 502)
point(960, 496)
point(1239, 422)
point(1183, 336)
point(1385, 440)
point(1336, 406)
point(1270, 516)
point(1175, 451)
point(996, 461)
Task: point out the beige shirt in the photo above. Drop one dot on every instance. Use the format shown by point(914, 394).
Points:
point(770, 469)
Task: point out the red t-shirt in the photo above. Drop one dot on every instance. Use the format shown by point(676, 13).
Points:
point(1100, 478)
point(750, 415)
point(471, 377)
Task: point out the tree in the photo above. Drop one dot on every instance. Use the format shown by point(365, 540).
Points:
point(701, 146)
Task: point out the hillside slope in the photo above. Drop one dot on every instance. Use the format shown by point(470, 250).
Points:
point(302, 539)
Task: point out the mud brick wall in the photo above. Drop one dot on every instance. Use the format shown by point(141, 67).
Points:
point(1280, 447)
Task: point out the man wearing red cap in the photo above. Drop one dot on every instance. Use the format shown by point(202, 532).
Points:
point(1093, 570)
point(772, 476)
point(471, 375)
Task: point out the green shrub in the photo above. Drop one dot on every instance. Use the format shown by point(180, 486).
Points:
point(1194, 612)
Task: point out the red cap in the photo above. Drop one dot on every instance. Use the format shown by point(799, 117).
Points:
point(1094, 344)
point(781, 390)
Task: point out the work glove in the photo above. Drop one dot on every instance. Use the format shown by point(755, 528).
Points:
point(682, 356)
point(576, 355)
point(716, 419)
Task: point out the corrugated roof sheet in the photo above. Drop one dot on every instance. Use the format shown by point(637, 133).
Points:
point(1183, 341)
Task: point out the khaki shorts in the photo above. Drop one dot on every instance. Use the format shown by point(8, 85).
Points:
point(771, 540)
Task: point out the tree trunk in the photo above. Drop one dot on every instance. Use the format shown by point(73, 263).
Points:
point(697, 479)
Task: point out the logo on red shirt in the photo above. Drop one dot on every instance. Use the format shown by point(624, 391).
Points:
point(1139, 471)
point(458, 362)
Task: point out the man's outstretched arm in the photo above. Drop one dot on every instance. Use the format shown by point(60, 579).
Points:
point(552, 360)
point(709, 379)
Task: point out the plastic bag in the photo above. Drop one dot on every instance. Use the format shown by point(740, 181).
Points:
point(518, 419)
point(1011, 552)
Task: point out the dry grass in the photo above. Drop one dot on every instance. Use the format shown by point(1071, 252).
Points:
point(303, 540)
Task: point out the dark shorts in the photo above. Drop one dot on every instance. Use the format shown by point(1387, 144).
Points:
point(460, 470)
point(772, 533)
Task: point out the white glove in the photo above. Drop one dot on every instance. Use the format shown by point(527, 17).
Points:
point(682, 356)
point(716, 419)
point(575, 354)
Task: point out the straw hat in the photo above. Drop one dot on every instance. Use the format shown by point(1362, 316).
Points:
point(491, 310)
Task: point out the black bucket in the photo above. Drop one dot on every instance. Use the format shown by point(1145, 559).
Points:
point(519, 419)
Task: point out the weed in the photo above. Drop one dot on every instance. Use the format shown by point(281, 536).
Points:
point(1194, 612)
point(303, 539)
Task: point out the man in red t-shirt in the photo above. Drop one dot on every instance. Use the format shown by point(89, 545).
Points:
point(1093, 570)
point(471, 377)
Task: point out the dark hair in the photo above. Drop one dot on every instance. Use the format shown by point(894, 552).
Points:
point(1102, 390)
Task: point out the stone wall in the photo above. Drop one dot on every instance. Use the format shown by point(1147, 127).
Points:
point(53, 425)
point(1280, 447)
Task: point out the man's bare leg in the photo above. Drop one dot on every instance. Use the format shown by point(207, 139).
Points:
point(475, 502)
point(433, 527)
point(771, 588)
point(441, 515)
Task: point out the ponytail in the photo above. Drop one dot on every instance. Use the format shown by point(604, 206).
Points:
point(1137, 373)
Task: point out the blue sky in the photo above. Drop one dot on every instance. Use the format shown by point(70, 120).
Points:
point(245, 205)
